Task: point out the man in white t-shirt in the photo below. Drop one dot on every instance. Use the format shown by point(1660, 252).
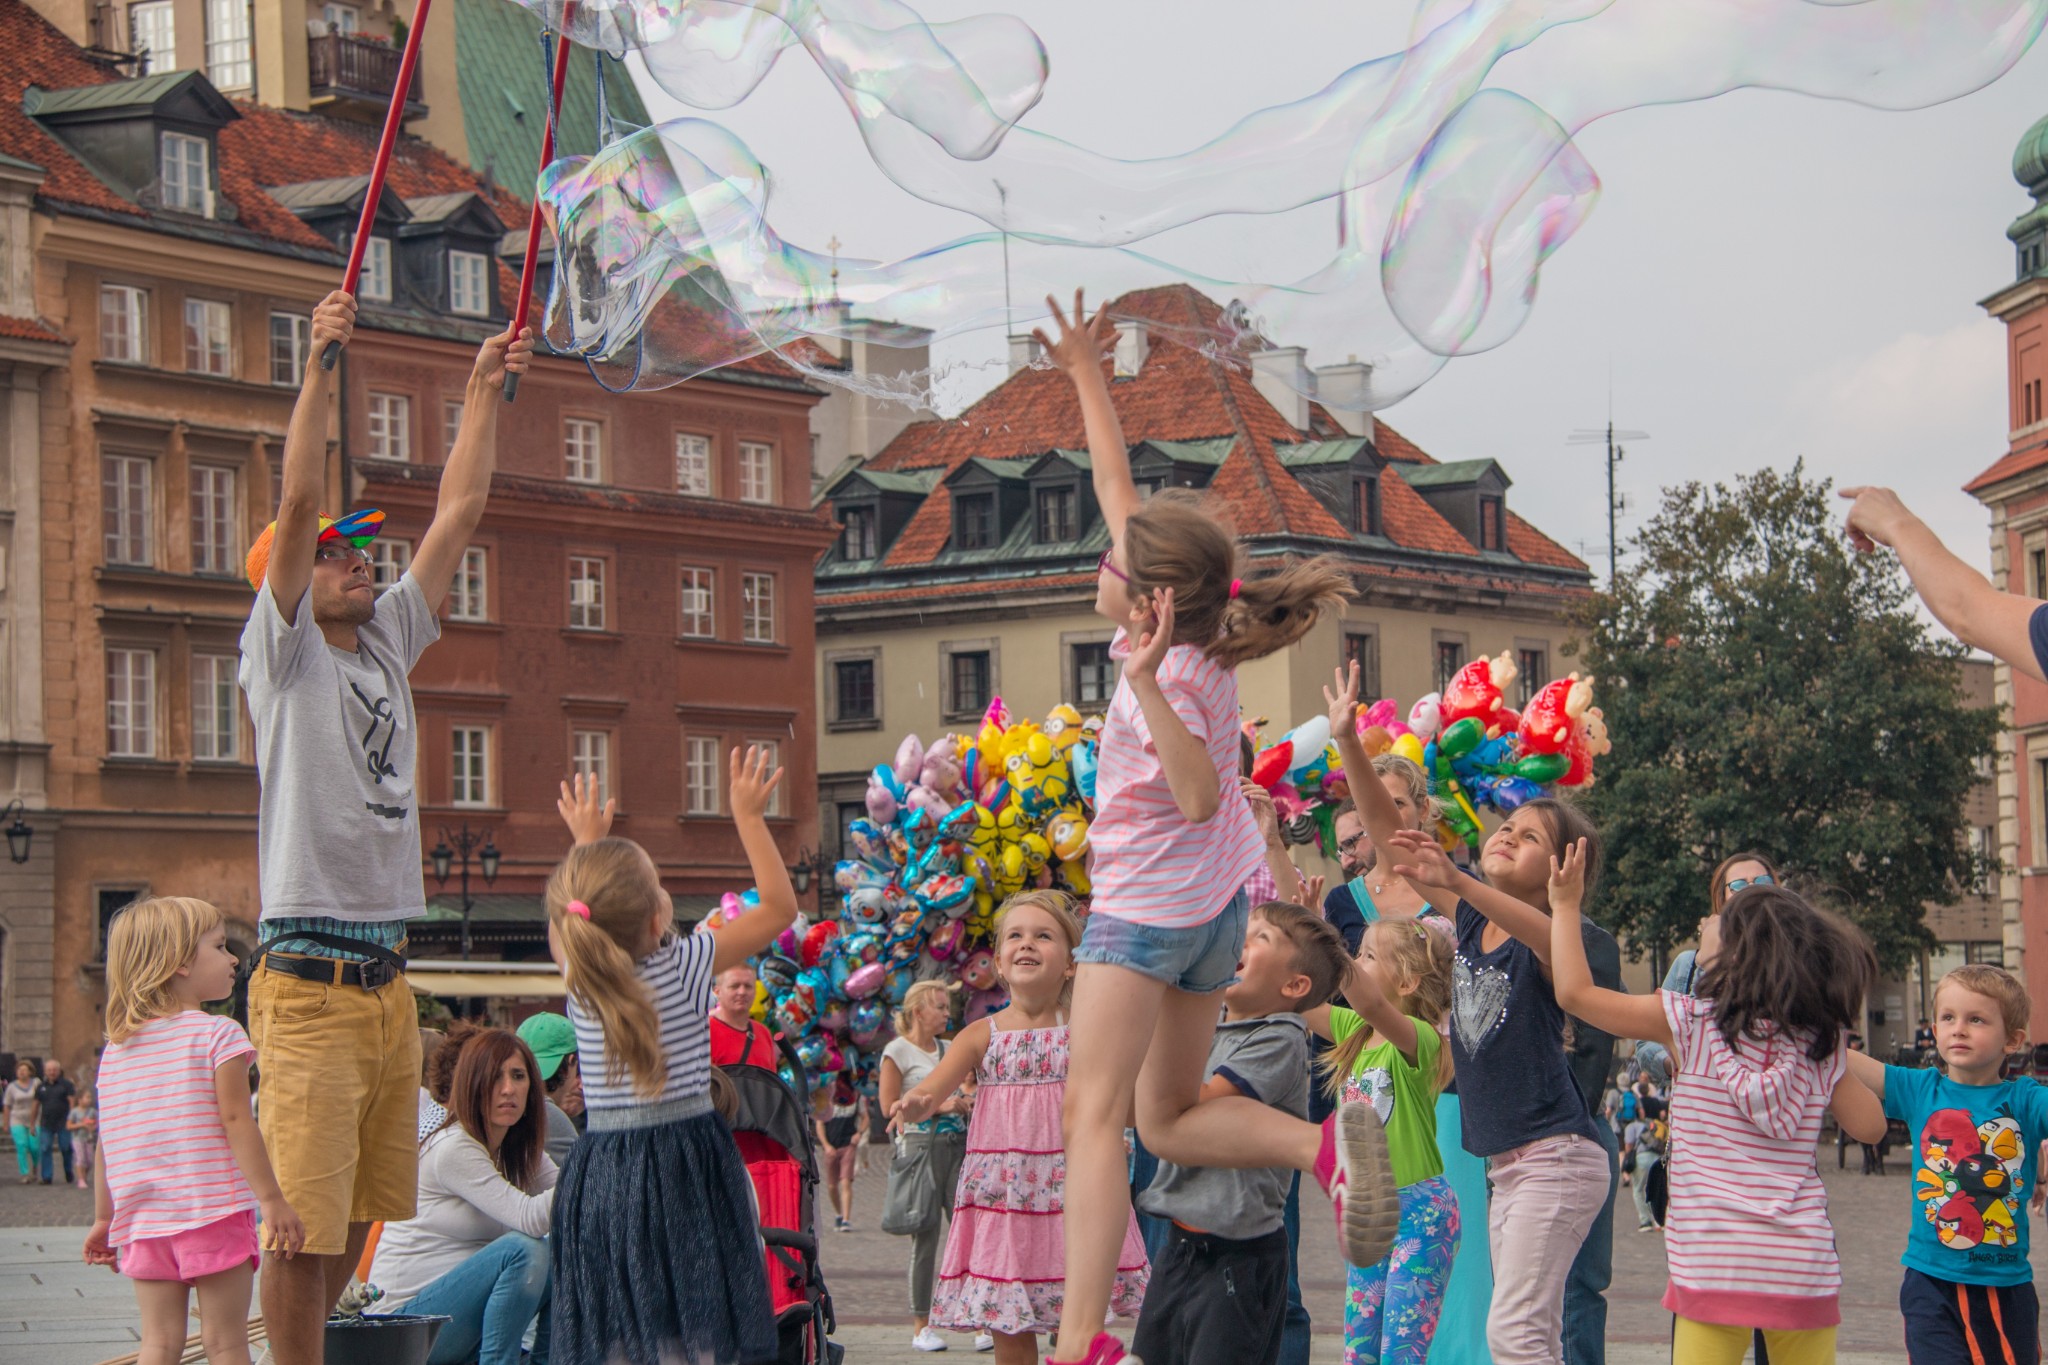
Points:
point(325, 660)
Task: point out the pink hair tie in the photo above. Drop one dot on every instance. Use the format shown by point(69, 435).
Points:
point(578, 909)
point(1236, 587)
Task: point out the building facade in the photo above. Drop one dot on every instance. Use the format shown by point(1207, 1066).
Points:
point(637, 599)
point(2015, 490)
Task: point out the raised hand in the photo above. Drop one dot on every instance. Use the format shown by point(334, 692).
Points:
point(1423, 861)
point(1156, 639)
point(1261, 802)
point(588, 819)
point(334, 322)
point(751, 782)
point(1568, 878)
point(1083, 340)
point(502, 355)
point(1312, 892)
point(1343, 702)
point(1875, 516)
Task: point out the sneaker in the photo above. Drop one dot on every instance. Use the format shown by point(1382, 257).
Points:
point(838, 1225)
point(927, 1340)
point(984, 1341)
point(1107, 1350)
point(1354, 1170)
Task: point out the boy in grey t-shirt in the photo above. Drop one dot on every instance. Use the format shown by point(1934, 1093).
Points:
point(1218, 1294)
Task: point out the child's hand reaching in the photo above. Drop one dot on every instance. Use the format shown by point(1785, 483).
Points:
point(587, 819)
point(282, 1230)
point(1312, 892)
point(1423, 862)
point(1157, 638)
point(1263, 814)
point(1343, 702)
point(1083, 340)
point(915, 1107)
point(751, 783)
point(97, 1252)
point(1568, 878)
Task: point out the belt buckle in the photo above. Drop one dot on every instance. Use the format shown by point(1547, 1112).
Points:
point(376, 975)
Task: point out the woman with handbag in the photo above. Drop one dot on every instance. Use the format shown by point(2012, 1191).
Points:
point(925, 1170)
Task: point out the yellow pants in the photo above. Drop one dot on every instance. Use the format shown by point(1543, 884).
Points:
point(1710, 1343)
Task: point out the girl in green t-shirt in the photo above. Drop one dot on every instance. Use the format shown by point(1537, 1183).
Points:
point(1388, 1053)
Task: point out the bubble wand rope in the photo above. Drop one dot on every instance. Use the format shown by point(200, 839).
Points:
point(547, 154)
point(394, 115)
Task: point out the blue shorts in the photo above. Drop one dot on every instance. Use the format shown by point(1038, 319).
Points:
point(1200, 959)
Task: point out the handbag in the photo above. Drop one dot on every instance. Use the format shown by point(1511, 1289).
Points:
point(912, 1203)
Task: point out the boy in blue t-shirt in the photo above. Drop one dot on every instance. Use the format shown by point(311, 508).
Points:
point(1969, 1290)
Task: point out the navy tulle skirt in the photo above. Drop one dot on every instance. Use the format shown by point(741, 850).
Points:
point(656, 1256)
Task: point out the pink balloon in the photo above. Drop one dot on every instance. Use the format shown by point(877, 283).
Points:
point(863, 982)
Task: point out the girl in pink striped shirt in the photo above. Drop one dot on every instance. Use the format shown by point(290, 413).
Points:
point(1174, 842)
point(181, 1169)
point(1758, 1056)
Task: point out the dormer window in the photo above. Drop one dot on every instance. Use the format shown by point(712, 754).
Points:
point(974, 522)
point(1365, 506)
point(375, 284)
point(857, 541)
point(1493, 530)
point(184, 174)
point(1056, 516)
point(466, 292)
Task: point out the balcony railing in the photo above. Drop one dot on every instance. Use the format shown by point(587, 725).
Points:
point(358, 70)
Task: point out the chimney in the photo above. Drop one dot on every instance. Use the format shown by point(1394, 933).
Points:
point(1343, 391)
point(1282, 377)
point(1132, 346)
point(834, 322)
point(1023, 351)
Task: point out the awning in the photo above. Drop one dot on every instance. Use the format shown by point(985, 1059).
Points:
point(435, 977)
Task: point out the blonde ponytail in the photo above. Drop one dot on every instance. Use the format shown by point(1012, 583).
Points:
point(1417, 954)
point(614, 880)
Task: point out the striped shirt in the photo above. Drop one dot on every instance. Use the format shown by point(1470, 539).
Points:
point(168, 1164)
point(1151, 865)
point(678, 975)
point(1748, 1236)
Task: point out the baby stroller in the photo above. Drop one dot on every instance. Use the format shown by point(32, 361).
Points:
point(773, 1131)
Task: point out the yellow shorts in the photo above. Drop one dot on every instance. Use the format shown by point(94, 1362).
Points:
point(338, 1100)
point(1712, 1343)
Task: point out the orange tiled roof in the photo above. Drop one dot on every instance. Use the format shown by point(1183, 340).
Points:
point(28, 329)
point(2011, 465)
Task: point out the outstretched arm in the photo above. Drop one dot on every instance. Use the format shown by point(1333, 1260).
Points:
point(1869, 1071)
point(305, 463)
point(1427, 869)
point(1079, 351)
point(751, 933)
point(1616, 1012)
point(466, 481)
point(1859, 1113)
point(962, 1060)
point(1376, 810)
point(1380, 1013)
point(1960, 597)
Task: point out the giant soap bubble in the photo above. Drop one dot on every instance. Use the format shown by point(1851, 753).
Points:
point(1448, 172)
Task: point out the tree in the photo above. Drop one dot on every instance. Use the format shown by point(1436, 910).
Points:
point(1767, 688)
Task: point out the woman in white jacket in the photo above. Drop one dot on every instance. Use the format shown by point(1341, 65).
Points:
point(474, 1249)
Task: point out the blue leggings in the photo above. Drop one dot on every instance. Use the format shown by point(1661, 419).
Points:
point(1390, 1311)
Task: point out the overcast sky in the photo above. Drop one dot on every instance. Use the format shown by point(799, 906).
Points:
point(1766, 276)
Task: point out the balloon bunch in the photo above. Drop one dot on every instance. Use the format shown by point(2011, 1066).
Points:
point(950, 832)
point(1477, 750)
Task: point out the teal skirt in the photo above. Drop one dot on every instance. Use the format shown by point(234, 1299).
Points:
point(1461, 1330)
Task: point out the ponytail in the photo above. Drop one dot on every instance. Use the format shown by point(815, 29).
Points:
point(1274, 610)
point(1421, 955)
point(614, 880)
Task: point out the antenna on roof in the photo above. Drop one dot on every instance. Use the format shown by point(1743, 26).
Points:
point(1609, 436)
point(1003, 196)
point(833, 246)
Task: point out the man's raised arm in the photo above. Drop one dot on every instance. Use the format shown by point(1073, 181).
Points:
point(466, 480)
point(305, 463)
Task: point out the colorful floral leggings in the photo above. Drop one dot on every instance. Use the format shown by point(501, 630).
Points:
point(1390, 1311)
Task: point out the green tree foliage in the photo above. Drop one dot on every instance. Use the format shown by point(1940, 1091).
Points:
point(1768, 688)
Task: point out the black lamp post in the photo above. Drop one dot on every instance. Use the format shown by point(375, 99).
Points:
point(811, 866)
point(487, 857)
point(18, 833)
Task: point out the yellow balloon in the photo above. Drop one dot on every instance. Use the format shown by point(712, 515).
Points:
point(1410, 748)
point(760, 1009)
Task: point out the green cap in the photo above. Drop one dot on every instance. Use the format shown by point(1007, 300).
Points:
point(552, 1037)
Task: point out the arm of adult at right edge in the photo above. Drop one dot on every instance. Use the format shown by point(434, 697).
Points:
point(305, 463)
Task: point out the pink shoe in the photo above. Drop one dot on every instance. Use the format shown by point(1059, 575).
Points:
point(1355, 1171)
point(1107, 1350)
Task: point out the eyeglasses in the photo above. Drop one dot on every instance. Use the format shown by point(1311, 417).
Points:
point(1760, 879)
point(1108, 563)
point(342, 551)
point(1346, 845)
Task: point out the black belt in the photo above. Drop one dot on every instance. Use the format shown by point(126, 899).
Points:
point(373, 975)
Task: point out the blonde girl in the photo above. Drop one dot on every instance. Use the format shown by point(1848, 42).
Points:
point(632, 1281)
point(181, 1170)
point(928, 1151)
point(1174, 843)
point(1006, 1253)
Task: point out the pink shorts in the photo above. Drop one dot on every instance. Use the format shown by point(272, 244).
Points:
point(190, 1256)
point(840, 1163)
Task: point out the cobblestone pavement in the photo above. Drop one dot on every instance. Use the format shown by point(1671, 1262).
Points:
point(56, 1311)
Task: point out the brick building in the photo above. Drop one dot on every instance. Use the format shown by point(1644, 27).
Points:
point(638, 597)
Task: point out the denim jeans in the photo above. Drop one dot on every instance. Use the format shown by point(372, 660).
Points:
point(1585, 1302)
point(51, 1141)
point(489, 1299)
point(1296, 1331)
point(1151, 1227)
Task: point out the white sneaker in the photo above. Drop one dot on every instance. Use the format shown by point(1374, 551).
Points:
point(983, 1341)
point(928, 1340)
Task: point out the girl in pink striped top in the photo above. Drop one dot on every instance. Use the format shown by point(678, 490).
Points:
point(1759, 1055)
point(182, 1169)
point(1174, 842)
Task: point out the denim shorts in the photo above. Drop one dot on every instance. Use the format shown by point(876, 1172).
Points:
point(1200, 959)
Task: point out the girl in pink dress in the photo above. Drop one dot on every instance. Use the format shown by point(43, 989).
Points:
point(1005, 1259)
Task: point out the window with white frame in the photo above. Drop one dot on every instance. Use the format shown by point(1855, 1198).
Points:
point(216, 715)
point(184, 183)
point(131, 703)
point(152, 35)
point(228, 63)
point(213, 519)
point(208, 336)
point(390, 426)
point(466, 292)
point(469, 757)
point(590, 756)
point(586, 592)
point(126, 504)
point(700, 621)
point(468, 593)
point(291, 339)
point(757, 608)
point(124, 315)
point(583, 450)
point(451, 424)
point(693, 465)
point(344, 19)
point(757, 472)
point(374, 284)
point(771, 749)
point(700, 775)
point(389, 559)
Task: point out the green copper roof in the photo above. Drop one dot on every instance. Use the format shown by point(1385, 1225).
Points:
point(2030, 159)
point(1449, 475)
point(1320, 452)
point(503, 78)
point(1210, 452)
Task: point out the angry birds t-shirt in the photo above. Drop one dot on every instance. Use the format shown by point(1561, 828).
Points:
point(1973, 1171)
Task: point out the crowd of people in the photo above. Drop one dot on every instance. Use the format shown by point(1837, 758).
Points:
point(1125, 1139)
